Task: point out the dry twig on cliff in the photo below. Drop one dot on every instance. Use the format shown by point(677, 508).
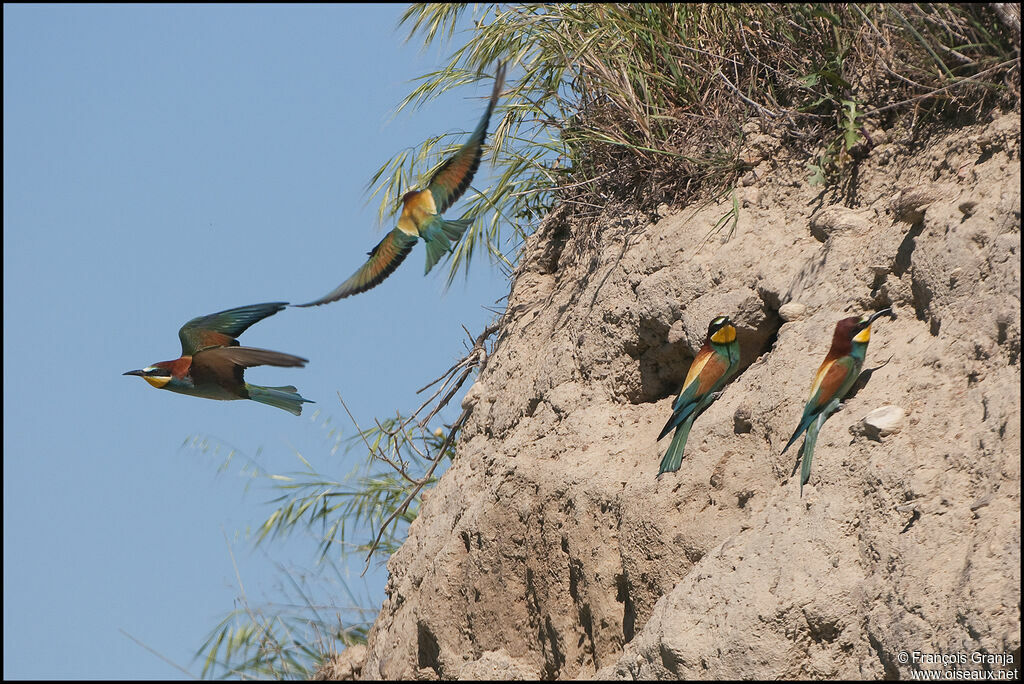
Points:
point(474, 359)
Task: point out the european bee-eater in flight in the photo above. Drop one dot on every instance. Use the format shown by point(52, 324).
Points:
point(836, 375)
point(714, 364)
point(421, 214)
point(212, 362)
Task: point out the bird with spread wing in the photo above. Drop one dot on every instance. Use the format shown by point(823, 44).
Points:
point(421, 214)
point(212, 362)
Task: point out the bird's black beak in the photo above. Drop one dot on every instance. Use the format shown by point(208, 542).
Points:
point(885, 311)
point(140, 373)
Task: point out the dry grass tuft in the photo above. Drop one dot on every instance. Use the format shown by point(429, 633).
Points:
point(644, 104)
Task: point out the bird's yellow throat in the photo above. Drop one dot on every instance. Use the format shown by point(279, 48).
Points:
point(724, 335)
point(157, 381)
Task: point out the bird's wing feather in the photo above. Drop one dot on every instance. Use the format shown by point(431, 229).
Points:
point(453, 176)
point(221, 328)
point(384, 259)
point(713, 370)
point(246, 357)
point(828, 382)
point(829, 379)
point(705, 371)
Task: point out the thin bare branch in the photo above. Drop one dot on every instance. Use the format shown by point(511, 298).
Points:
point(377, 453)
point(159, 655)
point(416, 490)
point(937, 91)
point(476, 358)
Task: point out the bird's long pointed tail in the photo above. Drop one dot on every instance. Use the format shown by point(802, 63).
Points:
point(812, 439)
point(286, 397)
point(674, 456)
point(804, 424)
point(454, 228)
point(439, 237)
point(808, 453)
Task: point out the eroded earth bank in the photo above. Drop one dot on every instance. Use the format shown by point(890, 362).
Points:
point(549, 549)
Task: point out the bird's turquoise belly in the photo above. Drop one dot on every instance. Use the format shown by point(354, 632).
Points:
point(210, 392)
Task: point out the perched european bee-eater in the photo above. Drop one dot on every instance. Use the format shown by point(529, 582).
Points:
point(421, 214)
point(836, 375)
point(714, 364)
point(212, 362)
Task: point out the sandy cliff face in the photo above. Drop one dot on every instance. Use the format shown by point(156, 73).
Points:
point(550, 549)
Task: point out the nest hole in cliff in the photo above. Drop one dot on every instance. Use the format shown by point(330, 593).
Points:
point(628, 608)
point(428, 652)
point(662, 365)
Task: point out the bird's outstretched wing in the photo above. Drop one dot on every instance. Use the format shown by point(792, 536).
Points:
point(384, 259)
point(247, 357)
point(220, 329)
point(454, 176)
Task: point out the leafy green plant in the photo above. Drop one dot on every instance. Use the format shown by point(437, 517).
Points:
point(730, 218)
point(850, 126)
point(399, 455)
point(289, 638)
point(367, 511)
point(642, 103)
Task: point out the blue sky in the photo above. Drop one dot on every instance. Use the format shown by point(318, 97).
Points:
point(161, 163)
